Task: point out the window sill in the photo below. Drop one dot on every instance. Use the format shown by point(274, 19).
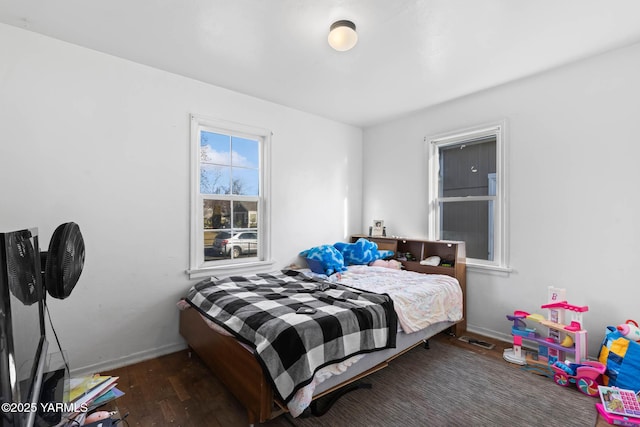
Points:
point(228, 269)
point(487, 268)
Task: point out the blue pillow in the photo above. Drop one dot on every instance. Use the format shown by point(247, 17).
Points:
point(363, 251)
point(324, 259)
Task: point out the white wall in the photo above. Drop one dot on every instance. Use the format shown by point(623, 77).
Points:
point(573, 161)
point(104, 142)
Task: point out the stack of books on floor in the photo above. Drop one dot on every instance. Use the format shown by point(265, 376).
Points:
point(89, 393)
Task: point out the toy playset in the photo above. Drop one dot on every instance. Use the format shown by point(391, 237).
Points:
point(619, 406)
point(563, 350)
point(615, 419)
point(620, 401)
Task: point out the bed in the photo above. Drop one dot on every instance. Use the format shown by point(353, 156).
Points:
point(221, 341)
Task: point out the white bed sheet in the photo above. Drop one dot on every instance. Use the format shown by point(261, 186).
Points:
point(419, 299)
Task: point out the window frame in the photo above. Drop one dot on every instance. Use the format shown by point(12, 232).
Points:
point(198, 267)
point(500, 225)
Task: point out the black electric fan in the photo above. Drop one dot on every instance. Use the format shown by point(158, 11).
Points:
point(62, 264)
point(21, 271)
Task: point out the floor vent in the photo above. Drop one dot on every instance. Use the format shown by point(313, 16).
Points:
point(477, 342)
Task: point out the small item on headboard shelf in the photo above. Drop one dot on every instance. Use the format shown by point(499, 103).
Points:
point(378, 229)
point(432, 260)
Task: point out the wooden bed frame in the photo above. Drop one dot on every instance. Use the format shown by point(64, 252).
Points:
point(235, 367)
point(239, 370)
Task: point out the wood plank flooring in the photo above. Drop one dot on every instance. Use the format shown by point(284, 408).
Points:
point(178, 390)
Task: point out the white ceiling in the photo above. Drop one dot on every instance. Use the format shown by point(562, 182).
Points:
point(410, 54)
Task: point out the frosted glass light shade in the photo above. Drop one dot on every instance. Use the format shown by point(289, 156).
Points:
point(342, 35)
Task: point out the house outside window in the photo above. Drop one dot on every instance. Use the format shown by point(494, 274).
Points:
point(467, 188)
point(229, 217)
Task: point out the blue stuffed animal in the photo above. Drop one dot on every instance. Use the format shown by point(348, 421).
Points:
point(324, 259)
point(361, 252)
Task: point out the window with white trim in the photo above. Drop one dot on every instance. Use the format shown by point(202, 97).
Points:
point(467, 187)
point(229, 187)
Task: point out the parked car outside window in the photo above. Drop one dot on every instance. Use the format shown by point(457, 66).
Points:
point(244, 243)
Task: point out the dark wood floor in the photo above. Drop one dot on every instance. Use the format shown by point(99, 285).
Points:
point(178, 390)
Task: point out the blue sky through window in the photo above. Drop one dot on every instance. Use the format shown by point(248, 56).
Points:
point(229, 164)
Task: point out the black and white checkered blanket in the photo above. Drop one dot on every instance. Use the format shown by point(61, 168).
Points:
point(261, 310)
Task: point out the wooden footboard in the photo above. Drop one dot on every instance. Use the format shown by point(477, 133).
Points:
point(232, 364)
point(241, 373)
point(238, 369)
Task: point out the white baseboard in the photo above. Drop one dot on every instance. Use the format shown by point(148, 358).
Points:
point(490, 333)
point(498, 336)
point(127, 360)
point(172, 348)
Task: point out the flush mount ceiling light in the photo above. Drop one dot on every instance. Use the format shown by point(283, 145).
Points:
point(342, 35)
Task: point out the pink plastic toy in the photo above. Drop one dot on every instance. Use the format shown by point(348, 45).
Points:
point(615, 419)
point(574, 326)
point(630, 330)
point(586, 375)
